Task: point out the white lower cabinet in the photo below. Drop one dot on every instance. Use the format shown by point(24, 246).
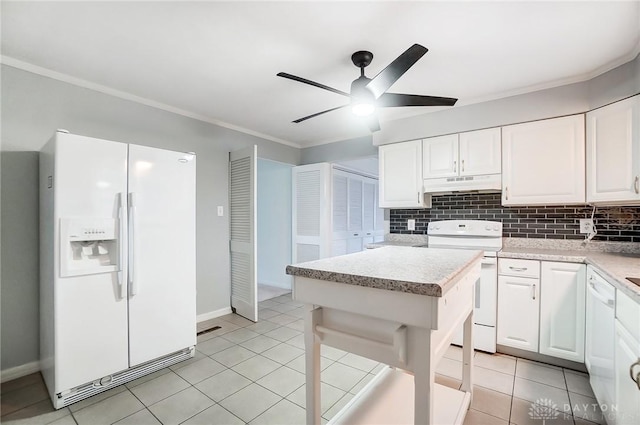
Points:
point(518, 305)
point(562, 310)
point(541, 307)
point(627, 361)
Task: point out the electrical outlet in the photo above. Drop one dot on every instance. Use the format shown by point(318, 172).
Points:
point(220, 211)
point(411, 224)
point(586, 225)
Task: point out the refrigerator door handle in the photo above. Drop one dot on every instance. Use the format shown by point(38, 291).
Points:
point(121, 230)
point(133, 282)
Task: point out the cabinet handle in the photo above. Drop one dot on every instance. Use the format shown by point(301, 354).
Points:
point(355, 234)
point(418, 198)
point(455, 166)
point(506, 192)
point(533, 287)
point(463, 165)
point(518, 269)
point(635, 379)
point(636, 184)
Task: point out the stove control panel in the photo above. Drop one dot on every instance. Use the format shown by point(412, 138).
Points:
point(480, 228)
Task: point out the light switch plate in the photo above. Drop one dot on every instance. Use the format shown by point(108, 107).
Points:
point(411, 224)
point(220, 211)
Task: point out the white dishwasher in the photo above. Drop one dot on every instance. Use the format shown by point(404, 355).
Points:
point(600, 338)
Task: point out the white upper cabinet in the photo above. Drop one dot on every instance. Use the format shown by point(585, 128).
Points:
point(613, 153)
point(440, 156)
point(543, 162)
point(401, 175)
point(479, 152)
point(466, 154)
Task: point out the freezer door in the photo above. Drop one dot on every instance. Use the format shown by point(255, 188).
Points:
point(162, 252)
point(90, 310)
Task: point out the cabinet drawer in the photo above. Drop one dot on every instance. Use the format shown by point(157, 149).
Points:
point(522, 268)
point(628, 314)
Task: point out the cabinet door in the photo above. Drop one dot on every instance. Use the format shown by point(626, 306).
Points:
point(562, 310)
point(355, 204)
point(354, 244)
point(518, 312)
point(480, 152)
point(440, 156)
point(627, 352)
point(543, 162)
point(613, 152)
point(401, 175)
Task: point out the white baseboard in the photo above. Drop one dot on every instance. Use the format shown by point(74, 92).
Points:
point(19, 371)
point(213, 314)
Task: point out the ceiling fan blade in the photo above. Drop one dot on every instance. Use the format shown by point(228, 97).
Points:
point(397, 99)
point(399, 66)
point(372, 123)
point(311, 83)
point(318, 113)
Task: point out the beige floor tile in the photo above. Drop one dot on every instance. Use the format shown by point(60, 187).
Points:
point(240, 335)
point(266, 313)
point(233, 355)
point(329, 396)
point(475, 417)
point(160, 388)
point(181, 406)
point(359, 362)
point(97, 398)
point(263, 326)
point(214, 415)
point(143, 417)
point(493, 380)
point(222, 385)
point(333, 410)
point(22, 397)
point(342, 376)
point(585, 407)
point(363, 382)
point(256, 367)
point(283, 353)
point(282, 413)
point(236, 319)
point(491, 402)
point(250, 402)
point(260, 343)
point(447, 381)
point(532, 391)
point(450, 368)
point(109, 410)
point(299, 363)
point(454, 353)
point(524, 412)
point(214, 345)
point(297, 341)
point(578, 383)
point(283, 308)
point(148, 377)
point(540, 373)
point(196, 357)
point(282, 334)
point(498, 362)
point(331, 352)
point(25, 381)
point(41, 412)
point(282, 381)
point(200, 370)
point(297, 325)
point(65, 420)
point(282, 319)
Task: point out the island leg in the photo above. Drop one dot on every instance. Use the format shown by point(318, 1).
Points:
point(467, 355)
point(424, 377)
point(312, 364)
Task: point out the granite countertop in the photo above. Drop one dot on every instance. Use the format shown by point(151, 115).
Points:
point(422, 271)
point(615, 267)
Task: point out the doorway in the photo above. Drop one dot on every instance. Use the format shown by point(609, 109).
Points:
point(274, 228)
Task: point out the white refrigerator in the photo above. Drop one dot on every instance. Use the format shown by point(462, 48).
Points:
point(117, 260)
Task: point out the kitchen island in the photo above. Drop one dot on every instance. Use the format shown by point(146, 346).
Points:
point(400, 306)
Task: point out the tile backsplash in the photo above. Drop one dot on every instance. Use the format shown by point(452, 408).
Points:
point(615, 224)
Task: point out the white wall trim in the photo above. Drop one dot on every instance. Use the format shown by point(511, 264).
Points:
point(19, 371)
point(213, 314)
point(45, 72)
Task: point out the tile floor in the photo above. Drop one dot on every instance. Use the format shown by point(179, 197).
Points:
point(249, 372)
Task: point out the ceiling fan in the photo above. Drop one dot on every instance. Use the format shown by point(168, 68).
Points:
point(370, 93)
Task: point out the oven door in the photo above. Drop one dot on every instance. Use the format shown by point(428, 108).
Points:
point(487, 293)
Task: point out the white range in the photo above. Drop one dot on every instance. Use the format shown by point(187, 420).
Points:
point(478, 235)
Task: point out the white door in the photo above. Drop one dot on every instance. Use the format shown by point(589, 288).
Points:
point(400, 174)
point(242, 213)
point(518, 312)
point(480, 152)
point(340, 204)
point(440, 157)
point(543, 162)
point(562, 310)
point(162, 252)
point(613, 152)
point(90, 326)
point(369, 187)
point(627, 363)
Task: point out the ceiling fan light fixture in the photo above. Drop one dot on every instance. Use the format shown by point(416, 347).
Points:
point(362, 109)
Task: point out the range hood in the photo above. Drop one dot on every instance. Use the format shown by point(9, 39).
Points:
point(484, 183)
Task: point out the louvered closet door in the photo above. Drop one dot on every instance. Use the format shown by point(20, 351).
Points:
point(242, 198)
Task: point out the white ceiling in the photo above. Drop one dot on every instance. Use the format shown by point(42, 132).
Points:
point(218, 60)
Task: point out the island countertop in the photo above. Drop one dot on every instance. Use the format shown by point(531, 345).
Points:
point(422, 271)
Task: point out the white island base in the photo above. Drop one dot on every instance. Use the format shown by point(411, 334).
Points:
point(407, 331)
